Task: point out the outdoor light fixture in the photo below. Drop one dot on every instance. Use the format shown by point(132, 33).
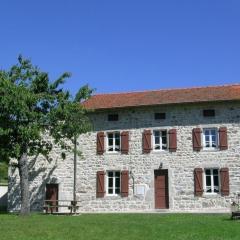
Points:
point(161, 165)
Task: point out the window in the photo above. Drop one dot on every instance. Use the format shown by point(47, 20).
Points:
point(210, 138)
point(212, 181)
point(160, 140)
point(113, 182)
point(113, 141)
point(112, 117)
point(209, 113)
point(160, 116)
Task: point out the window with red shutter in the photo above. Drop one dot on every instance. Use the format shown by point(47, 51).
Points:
point(124, 142)
point(196, 138)
point(223, 143)
point(224, 176)
point(124, 183)
point(100, 143)
point(147, 141)
point(198, 182)
point(100, 184)
point(172, 140)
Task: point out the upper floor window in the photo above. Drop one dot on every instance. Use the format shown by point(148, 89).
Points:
point(211, 181)
point(209, 113)
point(112, 117)
point(113, 141)
point(113, 182)
point(159, 140)
point(210, 138)
point(160, 116)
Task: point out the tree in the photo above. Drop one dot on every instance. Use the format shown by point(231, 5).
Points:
point(32, 106)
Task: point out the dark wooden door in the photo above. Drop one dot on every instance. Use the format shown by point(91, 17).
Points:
point(161, 189)
point(52, 196)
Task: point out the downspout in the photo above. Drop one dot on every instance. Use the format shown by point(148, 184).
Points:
point(74, 171)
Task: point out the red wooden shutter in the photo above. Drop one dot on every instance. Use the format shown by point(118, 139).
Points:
point(223, 143)
point(100, 143)
point(124, 183)
point(172, 140)
point(198, 182)
point(100, 184)
point(196, 138)
point(224, 176)
point(124, 142)
point(147, 141)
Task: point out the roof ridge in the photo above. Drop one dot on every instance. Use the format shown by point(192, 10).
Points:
point(169, 89)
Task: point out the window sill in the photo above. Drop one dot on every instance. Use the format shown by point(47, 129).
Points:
point(113, 153)
point(211, 195)
point(210, 150)
point(160, 151)
point(116, 196)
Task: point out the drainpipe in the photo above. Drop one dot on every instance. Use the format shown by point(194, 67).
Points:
point(74, 171)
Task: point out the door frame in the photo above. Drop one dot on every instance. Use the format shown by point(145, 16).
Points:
point(160, 172)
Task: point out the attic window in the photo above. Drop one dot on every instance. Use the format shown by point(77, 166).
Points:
point(160, 116)
point(112, 117)
point(209, 113)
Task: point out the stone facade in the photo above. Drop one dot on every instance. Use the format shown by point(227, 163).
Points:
point(180, 164)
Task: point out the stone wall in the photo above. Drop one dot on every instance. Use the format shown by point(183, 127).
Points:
point(180, 164)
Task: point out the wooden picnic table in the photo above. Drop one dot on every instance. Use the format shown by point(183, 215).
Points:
point(52, 206)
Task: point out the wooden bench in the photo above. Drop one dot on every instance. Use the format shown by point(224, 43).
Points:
point(53, 206)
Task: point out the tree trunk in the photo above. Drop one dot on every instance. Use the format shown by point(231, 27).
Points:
point(24, 185)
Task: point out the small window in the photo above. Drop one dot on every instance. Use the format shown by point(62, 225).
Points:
point(209, 113)
point(210, 138)
point(113, 183)
point(112, 117)
point(160, 116)
point(212, 181)
point(113, 141)
point(160, 140)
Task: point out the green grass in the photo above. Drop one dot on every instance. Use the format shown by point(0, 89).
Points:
point(119, 226)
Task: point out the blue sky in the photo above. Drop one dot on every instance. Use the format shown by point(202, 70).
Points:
point(126, 45)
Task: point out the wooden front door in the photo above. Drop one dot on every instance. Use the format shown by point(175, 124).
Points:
point(52, 196)
point(161, 189)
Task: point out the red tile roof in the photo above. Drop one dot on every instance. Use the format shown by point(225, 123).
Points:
point(164, 97)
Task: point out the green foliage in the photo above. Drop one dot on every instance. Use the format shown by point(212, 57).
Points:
point(3, 172)
point(32, 106)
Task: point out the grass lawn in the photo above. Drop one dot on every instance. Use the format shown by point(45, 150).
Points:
point(119, 226)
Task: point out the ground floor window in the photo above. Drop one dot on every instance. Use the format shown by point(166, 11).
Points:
point(212, 180)
point(113, 182)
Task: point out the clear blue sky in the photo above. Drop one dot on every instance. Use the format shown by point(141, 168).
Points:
point(125, 45)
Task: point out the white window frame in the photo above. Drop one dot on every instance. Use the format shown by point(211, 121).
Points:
point(114, 142)
point(114, 183)
point(212, 182)
point(210, 138)
point(160, 140)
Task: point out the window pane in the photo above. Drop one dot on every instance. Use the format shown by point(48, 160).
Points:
point(117, 135)
point(164, 140)
point(110, 174)
point(213, 132)
point(157, 147)
point(117, 183)
point(207, 171)
point(215, 171)
point(110, 149)
point(110, 182)
point(208, 180)
point(156, 133)
point(110, 191)
point(164, 133)
point(206, 132)
point(110, 141)
point(216, 182)
point(157, 140)
point(117, 174)
point(110, 135)
point(164, 146)
point(117, 190)
point(117, 141)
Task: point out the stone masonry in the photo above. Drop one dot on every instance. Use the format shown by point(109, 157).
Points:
point(180, 164)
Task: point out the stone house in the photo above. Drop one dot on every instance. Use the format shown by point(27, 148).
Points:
point(177, 150)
